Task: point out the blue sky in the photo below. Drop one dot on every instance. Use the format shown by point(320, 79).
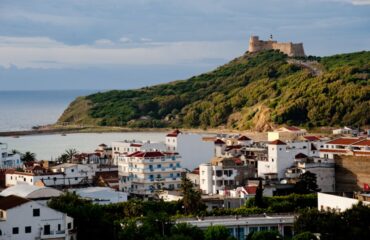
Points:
point(119, 44)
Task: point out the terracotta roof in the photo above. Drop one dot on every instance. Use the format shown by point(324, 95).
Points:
point(311, 138)
point(344, 141)
point(277, 142)
point(11, 201)
point(174, 133)
point(300, 155)
point(365, 142)
point(244, 138)
point(334, 150)
point(146, 154)
point(362, 152)
point(135, 145)
point(219, 141)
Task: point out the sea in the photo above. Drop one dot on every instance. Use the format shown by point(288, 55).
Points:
point(21, 110)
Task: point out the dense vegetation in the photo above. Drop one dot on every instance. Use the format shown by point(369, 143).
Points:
point(155, 219)
point(352, 224)
point(252, 91)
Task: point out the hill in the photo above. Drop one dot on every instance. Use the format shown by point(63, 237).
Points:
point(254, 91)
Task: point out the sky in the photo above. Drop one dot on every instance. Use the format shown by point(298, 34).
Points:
point(122, 44)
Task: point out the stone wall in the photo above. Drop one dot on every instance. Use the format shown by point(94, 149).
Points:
point(291, 49)
point(351, 172)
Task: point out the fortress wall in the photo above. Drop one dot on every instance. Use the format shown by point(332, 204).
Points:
point(291, 49)
point(351, 172)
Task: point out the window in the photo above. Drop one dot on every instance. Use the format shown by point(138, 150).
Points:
point(76, 178)
point(72, 170)
point(59, 227)
point(36, 212)
point(15, 230)
point(28, 229)
point(69, 225)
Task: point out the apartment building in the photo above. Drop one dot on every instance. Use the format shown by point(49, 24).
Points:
point(143, 172)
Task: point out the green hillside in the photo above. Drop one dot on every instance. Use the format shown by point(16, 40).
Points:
point(254, 91)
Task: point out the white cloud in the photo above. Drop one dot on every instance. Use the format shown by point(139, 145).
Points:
point(125, 40)
point(361, 2)
point(104, 42)
point(143, 39)
point(41, 52)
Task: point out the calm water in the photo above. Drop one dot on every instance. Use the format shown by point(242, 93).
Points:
point(49, 147)
point(21, 110)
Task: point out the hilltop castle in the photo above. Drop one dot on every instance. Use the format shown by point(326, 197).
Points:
point(291, 49)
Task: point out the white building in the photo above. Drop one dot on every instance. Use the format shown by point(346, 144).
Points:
point(221, 174)
point(9, 160)
point(22, 219)
point(121, 148)
point(281, 156)
point(191, 147)
point(346, 146)
point(142, 173)
point(286, 133)
point(240, 227)
point(329, 202)
point(323, 168)
point(66, 174)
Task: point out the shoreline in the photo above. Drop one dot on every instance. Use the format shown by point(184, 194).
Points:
point(52, 130)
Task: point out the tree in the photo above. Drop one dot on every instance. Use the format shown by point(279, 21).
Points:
point(28, 157)
point(192, 198)
point(305, 236)
point(63, 158)
point(70, 153)
point(216, 232)
point(307, 183)
point(264, 235)
point(185, 229)
point(259, 195)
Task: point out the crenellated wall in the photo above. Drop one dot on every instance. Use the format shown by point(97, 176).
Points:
point(291, 49)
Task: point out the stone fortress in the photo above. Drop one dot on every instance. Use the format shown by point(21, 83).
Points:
point(289, 48)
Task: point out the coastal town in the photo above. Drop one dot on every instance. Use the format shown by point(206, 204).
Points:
point(227, 170)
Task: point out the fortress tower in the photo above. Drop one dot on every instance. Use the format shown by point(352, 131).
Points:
point(290, 49)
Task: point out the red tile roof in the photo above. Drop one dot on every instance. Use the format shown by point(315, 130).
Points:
point(365, 142)
point(174, 133)
point(344, 141)
point(244, 138)
point(135, 145)
point(11, 201)
point(334, 150)
point(146, 154)
point(219, 141)
point(277, 142)
point(312, 138)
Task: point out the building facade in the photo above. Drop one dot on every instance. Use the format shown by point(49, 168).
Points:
point(22, 219)
point(9, 160)
point(141, 173)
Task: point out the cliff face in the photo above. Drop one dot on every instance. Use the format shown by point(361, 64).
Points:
point(255, 91)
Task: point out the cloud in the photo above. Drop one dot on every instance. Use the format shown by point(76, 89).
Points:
point(143, 39)
point(361, 2)
point(42, 52)
point(104, 42)
point(125, 40)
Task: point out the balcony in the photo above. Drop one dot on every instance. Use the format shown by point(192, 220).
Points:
point(53, 234)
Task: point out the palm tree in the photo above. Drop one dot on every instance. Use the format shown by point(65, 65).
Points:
point(70, 153)
point(28, 157)
point(14, 151)
point(63, 158)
